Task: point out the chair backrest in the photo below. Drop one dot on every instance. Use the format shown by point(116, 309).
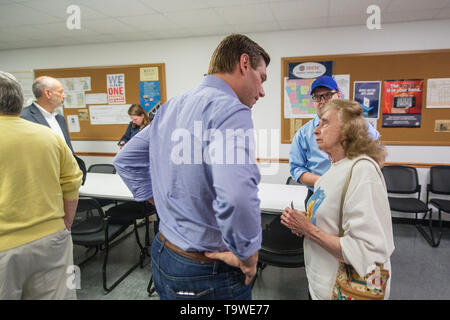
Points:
point(102, 168)
point(82, 166)
point(440, 179)
point(291, 181)
point(277, 238)
point(129, 211)
point(401, 179)
point(92, 223)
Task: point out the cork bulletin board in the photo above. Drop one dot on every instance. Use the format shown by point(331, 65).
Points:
point(98, 85)
point(380, 67)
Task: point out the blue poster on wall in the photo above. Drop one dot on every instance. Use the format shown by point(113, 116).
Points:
point(150, 93)
point(367, 93)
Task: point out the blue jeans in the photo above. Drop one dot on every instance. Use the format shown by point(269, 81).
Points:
point(178, 277)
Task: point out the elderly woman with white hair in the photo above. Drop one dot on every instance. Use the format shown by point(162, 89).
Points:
point(347, 224)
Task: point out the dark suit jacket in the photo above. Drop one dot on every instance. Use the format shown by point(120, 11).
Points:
point(32, 113)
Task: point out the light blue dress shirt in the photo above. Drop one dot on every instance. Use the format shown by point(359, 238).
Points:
point(305, 155)
point(205, 195)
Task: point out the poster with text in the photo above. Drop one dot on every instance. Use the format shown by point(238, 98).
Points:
point(368, 93)
point(150, 94)
point(116, 88)
point(402, 103)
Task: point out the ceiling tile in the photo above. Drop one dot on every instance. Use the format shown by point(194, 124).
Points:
point(246, 14)
point(101, 38)
point(304, 23)
point(196, 18)
point(58, 8)
point(118, 8)
point(8, 35)
point(442, 14)
point(20, 33)
point(257, 27)
point(355, 7)
point(41, 23)
point(133, 36)
point(228, 3)
point(59, 30)
point(107, 26)
point(149, 22)
point(176, 5)
point(22, 44)
point(224, 29)
point(300, 9)
point(15, 15)
point(404, 16)
point(408, 5)
point(172, 33)
point(347, 20)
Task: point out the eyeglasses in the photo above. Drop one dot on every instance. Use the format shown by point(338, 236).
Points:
point(326, 96)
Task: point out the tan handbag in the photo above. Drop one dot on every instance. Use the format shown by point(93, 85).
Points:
point(349, 285)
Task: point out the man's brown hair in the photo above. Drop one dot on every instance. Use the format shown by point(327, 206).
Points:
point(229, 52)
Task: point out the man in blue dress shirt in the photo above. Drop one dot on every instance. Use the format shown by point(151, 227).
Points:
point(306, 161)
point(196, 162)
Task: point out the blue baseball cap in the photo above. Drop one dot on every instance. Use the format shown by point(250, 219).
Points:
point(324, 81)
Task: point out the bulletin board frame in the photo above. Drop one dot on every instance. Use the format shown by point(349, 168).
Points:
point(105, 132)
point(424, 64)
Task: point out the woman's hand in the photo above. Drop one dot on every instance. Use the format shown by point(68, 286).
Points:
point(297, 221)
point(300, 225)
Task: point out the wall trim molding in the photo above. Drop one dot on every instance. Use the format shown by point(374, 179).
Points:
point(280, 160)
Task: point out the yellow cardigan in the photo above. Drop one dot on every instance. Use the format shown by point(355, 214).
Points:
point(37, 171)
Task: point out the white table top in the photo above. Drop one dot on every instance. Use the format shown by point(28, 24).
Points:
point(274, 197)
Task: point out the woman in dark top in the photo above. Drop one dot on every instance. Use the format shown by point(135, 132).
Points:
point(139, 120)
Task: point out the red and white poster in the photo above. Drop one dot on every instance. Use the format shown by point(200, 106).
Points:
point(402, 103)
point(116, 88)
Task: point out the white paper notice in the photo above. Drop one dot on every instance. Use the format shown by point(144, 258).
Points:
point(75, 99)
point(438, 93)
point(116, 114)
point(76, 84)
point(73, 123)
point(96, 98)
point(343, 82)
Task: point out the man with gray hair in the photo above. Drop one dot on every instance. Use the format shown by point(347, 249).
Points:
point(39, 184)
point(49, 94)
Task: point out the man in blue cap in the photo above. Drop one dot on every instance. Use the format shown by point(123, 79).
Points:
point(306, 161)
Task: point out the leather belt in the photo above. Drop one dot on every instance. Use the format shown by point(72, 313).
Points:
point(198, 256)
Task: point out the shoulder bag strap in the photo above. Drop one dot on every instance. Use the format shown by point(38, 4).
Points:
point(344, 192)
